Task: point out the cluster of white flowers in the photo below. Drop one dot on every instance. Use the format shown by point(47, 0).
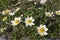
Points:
point(49, 14)
point(29, 21)
point(9, 12)
point(6, 12)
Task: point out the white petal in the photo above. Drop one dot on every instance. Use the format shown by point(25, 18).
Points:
point(41, 25)
point(16, 18)
point(13, 23)
point(31, 24)
point(19, 18)
point(26, 24)
point(44, 26)
point(32, 19)
point(27, 18)
point(45, 33)
point(41, 34)
point(46, 29)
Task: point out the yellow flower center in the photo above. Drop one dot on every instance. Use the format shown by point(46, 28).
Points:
point(16, 21)
point(29, 21)
point(42, 30)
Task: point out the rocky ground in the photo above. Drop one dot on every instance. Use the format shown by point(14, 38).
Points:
point(1, 38)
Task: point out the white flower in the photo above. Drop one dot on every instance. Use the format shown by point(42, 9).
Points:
point(58, 12)
point(16, 21)
point(29, 21)
point(7, 12)
point(43, 1)
point(42, 30)
point(48, 14)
